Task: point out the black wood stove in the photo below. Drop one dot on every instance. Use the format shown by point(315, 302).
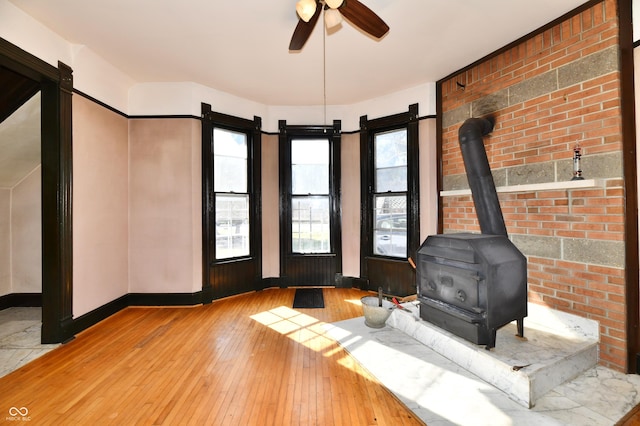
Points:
point(472, 284)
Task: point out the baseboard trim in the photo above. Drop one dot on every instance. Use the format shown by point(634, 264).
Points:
point(15, 300)
point(83, 322)
point(270, 282)
point(345, 281)
point(103, 312)
point(133, 299)
point(165, 299)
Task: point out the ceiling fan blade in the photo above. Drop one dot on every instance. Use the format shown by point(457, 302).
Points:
point(364, 18)
point(303, 29)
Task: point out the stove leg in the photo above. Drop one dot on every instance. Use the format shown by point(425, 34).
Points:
point(520, 323)
point(492, 340)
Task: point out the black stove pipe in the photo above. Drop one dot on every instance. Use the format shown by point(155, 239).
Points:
point(483, 189)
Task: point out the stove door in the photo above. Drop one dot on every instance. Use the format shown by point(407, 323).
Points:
point(453, 285)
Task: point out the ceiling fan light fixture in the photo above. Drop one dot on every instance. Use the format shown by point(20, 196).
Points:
point(332, 18)
point(306, 9)
point(334, 4)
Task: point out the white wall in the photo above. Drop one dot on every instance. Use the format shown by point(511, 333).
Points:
point(635, 10)
point(92, 74)
point(5, 241)
point(26, 234)
point(185, 99)
point(636, 71)
point(21, 236)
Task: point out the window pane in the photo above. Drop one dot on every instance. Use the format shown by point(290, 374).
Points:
point(390, 226)
point(391, 161)
point(310, 225)
point(229, 161)
point(310, 166)
point(232, 226)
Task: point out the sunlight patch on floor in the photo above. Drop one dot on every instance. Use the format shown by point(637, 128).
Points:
point(418, 381)
point(301, 328)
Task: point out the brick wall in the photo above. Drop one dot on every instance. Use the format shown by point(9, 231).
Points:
point(556, 89)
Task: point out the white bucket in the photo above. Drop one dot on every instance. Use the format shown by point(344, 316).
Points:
point(376, 316)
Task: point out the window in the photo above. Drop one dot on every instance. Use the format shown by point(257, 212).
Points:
point(310, 219)
point(390, 214)
point(230, 165)
point(231, 204)
point(310, 213)
point(390, 193)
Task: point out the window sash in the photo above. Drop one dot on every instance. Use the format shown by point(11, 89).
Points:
point(310, 166)
point(390, 225)
point(232, 225)
point(230, 161)
point(310, 224)
point(390, 197)
point(390, 161)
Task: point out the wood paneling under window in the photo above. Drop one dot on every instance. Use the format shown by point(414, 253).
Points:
point(395, 277)
point(235, 277)
point(315, 270)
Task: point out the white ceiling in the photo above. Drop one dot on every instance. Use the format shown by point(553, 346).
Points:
point(241, 47)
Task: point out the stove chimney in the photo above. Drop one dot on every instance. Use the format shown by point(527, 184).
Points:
point(483, 189)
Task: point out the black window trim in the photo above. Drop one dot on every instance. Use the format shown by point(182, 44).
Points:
point(333, 134)
point(252, 128)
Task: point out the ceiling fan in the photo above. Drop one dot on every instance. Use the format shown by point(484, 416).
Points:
point(357, 13)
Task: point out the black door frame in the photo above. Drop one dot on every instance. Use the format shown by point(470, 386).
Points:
point(56, 85)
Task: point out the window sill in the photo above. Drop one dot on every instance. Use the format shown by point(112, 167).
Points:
point(547, 186)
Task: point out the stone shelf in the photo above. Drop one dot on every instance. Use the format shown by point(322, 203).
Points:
point(533, 187)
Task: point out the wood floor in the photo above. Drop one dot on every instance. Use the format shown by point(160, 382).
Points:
point(632, 418)
point(245, 360)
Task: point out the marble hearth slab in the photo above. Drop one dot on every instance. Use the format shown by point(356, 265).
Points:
point(557, 347)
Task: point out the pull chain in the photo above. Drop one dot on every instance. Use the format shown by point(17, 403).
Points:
point(324, 68)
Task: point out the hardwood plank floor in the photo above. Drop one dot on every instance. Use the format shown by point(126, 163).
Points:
point(244, 360)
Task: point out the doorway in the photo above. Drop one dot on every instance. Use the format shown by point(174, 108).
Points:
point(55, 86)
point(20, 202)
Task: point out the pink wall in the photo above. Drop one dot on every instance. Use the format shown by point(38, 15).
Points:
point(350, 175)
point(137, 204)
point(428, 178)
point(165, 229)
point(100, 206)
point(270, 208)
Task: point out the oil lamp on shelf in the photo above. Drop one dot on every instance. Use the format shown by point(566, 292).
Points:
point(577, 170)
